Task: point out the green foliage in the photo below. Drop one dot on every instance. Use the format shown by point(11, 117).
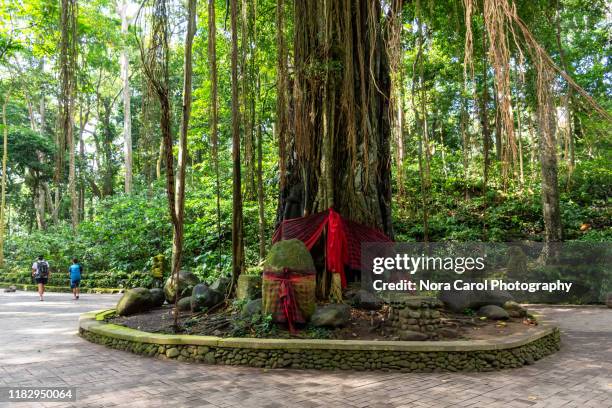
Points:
point(502, 216)
point(259, 325)
point(116, 246)
point(469, 312)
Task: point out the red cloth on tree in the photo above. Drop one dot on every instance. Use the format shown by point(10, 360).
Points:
point(344, 238)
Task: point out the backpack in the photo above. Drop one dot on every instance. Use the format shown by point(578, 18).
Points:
point(42, 268)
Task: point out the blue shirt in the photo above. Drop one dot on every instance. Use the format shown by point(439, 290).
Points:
point(75, 272)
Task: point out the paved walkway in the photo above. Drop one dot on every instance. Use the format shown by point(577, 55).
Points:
point(39, 347)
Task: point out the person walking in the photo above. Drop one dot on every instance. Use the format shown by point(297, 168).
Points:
point(41, 273)
point(75, 272)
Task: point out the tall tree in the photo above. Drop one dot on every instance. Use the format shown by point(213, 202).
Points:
point(156, 68)
point(127, 117)
point(237, 226)
point(247, 94)
point(257, 119)
point(339, 155)
point(214, 115)
point(68, 52)
point(393, 47)
point(547, 120)
point(422, 124)
point(7, 97)
point(486, 133)
point(282, 121)
point(177, 242)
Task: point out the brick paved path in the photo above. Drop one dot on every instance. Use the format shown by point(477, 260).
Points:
point(39, 347)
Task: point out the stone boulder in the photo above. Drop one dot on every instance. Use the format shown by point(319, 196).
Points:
point(134, 301)
point(459, 300)
point(409, 335)
point(333, 315)
point(158, 297)
point(187, 281)
point(514, 309)
point(291, 254)
point(493, 312)
point(249, 287)
point(221, 285)
point(184, 304)
point(11, 289)
point(251, 309)
point(203, 297)
point(362, 299)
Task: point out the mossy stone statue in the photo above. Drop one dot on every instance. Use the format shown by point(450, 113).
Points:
point(293, 255)
point(159, 266)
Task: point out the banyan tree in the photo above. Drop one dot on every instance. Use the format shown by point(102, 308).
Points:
point(333, 122)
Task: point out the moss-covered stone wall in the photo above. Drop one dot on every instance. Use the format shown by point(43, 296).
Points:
point(343, 359)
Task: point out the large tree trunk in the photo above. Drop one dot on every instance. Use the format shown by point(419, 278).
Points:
point(127, 118)
point(340, 152)
point(237, 227)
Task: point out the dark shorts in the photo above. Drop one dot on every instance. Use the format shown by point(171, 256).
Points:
point(41, 280)
point(75, 283)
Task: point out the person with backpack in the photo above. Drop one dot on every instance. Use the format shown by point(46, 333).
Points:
point(41, 273)
point(75, 271)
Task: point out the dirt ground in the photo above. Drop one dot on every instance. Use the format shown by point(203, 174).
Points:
point(364, 325)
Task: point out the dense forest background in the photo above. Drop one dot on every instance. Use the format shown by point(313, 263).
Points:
point(471, 105)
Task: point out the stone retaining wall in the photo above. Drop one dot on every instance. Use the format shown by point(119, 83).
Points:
point(418, 356)
point(418, 314)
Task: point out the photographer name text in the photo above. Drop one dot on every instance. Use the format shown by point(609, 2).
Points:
point(488, 284)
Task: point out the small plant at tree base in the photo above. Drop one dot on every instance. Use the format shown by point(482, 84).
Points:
point(469, 312)
point(239, 304)
point(317, 332)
